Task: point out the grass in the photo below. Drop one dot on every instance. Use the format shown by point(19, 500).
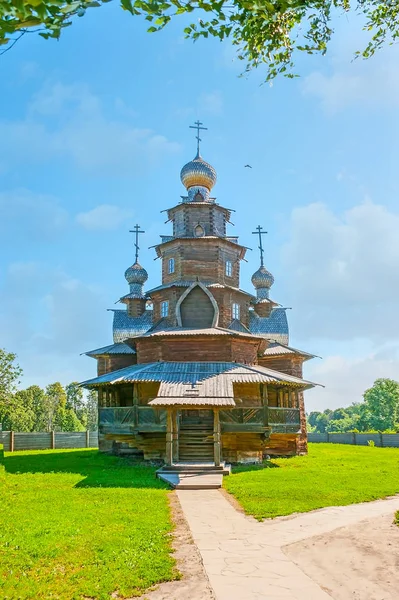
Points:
point(331, 475)
point(78, 524)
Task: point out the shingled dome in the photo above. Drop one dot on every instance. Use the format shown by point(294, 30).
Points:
point(198, 172)
point(262, 278)
point(136, 274)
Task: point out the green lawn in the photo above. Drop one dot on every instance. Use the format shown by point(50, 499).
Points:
point(332, 474)
point(78, 524)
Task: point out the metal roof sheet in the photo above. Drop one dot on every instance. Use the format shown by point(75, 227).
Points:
point(198, 374)
point(186, 283)
point(184, 331)
point(178, 401)
point(119, 348)
point(276, 349)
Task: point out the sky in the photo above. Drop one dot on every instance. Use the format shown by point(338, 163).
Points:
point(94, 130)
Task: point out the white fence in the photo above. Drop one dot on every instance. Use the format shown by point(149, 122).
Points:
point(53, 440)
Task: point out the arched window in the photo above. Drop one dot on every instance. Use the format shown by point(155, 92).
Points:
point(235, 311)
point(164, 308)
point(199, 231)
point(171, 265)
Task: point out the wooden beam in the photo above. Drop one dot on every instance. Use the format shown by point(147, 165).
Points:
point(169, 438)
point(175, 435)
point(216, 438)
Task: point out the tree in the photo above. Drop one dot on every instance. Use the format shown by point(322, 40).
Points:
point(75, 400)
point(92, 410)
point(265, 32)
point(381, 405)
point(9, 377)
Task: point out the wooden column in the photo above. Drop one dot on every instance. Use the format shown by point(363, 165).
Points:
point(53, 440)
point(87, 438)
point(12, 441)
point(280, 398)
point(216, 438)
point(290, 399)
point(265, 402)
point(135, 406)
point(169, 437)
point(175, 435)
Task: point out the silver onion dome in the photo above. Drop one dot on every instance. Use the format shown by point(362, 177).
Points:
point(262, 281)
point(136, 274)
point(198, 173)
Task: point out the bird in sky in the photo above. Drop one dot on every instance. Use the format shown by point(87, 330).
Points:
point(249, 166)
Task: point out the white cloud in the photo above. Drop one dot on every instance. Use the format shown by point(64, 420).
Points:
point(69, 122)
point(49, 318)
point(211, 103)
point(342, 272)
point(26, 213)
point(104, 217)
point(364, 84)
point(346, 379)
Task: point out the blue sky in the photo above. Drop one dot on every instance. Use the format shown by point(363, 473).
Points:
point(94, 132)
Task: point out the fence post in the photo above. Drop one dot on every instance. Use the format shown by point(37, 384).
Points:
point(328, 436)
point(12, 441)
point(381, 440)
point(53, 440)
point(87, 438)
point(354, 438)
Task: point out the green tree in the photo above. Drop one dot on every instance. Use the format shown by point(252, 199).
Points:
point(265, 32)
point(92, 410)
point(381, 405)
point(10, 373)
point(75, 400)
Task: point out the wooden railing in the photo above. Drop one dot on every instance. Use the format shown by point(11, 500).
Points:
point(126, 419)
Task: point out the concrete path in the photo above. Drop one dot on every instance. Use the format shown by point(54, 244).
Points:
point(244, 559)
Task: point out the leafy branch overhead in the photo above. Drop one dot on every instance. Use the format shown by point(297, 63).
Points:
point(264, 32)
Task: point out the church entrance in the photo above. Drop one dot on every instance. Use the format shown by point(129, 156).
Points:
point(196, 442)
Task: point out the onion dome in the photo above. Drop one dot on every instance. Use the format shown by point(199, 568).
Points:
point(262, 281)
point(136, 274)
point(136, 277)
point(198, 173)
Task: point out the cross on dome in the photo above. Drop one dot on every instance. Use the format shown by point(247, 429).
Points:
point(197, 126)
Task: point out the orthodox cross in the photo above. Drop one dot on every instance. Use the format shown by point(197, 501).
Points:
point(136, 230)
point(197, 126)
point(259, 232)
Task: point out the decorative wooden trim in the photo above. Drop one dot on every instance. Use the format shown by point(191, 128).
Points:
point(215, 320)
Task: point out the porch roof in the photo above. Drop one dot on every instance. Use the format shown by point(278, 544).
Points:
point(214, 379)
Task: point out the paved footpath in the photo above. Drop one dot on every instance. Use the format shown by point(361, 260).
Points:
point(244, 559)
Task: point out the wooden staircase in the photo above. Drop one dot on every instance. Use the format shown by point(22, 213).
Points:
point(196, 441)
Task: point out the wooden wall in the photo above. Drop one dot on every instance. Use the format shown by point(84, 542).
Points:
point(113, 362)
point(206, 348)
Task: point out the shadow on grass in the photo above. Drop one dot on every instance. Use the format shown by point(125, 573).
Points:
point(267, 464)
point(98, 469)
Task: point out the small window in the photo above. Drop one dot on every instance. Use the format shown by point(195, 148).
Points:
point(235, 311)
point(164, 308)
point(199, 231)
point(229, 268)
point(171, 265)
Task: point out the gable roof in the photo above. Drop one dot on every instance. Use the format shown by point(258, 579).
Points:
point(119, 348)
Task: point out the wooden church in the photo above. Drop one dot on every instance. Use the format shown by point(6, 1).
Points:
point(200, 369)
